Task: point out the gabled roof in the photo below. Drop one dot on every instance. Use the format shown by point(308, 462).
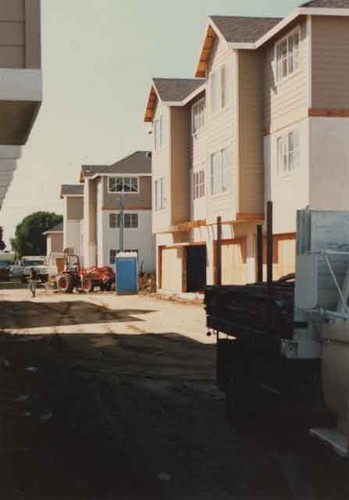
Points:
point(72, 190)
point(138, 162)
point(171, 91)
point(243, 29)
point(234, 30)
point(58, 228)
point(327, 4)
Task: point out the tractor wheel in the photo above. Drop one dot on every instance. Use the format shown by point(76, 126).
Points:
point(87, 285)
point(65, 283)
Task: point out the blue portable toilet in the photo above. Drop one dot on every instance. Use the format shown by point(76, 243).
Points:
point(126, 264)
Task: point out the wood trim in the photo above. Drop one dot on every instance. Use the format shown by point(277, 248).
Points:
point(241, 217)
point(329, 112)
point(242, 241)
point(189, 225)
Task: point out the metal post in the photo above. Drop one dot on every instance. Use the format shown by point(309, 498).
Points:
point(259, 253)
point(270, 258)
point(122, 224)
point(219, 252)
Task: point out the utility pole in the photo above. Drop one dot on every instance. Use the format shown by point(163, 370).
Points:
point(122, 224)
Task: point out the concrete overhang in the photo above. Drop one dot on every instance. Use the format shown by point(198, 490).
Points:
point(20, 101)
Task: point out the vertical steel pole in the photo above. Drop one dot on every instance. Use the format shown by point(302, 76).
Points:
point(219, 252)
point(122, 224)
point(259, 253)
point(270, 258)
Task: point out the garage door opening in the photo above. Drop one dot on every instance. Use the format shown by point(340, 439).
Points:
point(196, 268)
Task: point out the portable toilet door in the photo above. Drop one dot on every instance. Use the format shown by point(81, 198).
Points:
point(126, 273)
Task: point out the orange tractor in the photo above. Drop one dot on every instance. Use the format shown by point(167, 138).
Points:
point(83, 279)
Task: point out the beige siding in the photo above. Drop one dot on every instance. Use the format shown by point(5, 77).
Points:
point(198, 161)
point(234, 266)
point(141, 200)
point(180, 164)
point(20, 34)
point(75, 208)
point(287, 101)
point(56, 242)
point(220, 128)
point(250, 108)
point(330, 62)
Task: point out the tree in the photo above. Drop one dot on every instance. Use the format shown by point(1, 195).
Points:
point(29, 238)
point(2, 244)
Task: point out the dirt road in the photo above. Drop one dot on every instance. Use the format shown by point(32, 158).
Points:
point(114, 398)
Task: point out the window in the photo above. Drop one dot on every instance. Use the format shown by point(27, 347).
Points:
point(287, 56)
point(160, 194)
point(123, 185)
point(288, 153)
point(198, 184)
point(219, 89)
point(158, 133)
point(220, 171)
point(113, 253)
point(198, 116)
point(130, 221)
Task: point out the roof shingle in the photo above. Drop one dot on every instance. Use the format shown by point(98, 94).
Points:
point(176, 89)
point(136, 163)
point(327, 4)
point(244, 29)
point(72, 189)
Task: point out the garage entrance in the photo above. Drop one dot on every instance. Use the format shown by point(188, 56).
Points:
point(196, 268)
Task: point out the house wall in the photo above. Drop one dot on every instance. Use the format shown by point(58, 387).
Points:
point(161, 167)
point(287, 101)
point(180, 163)
point(198, 161)
point(141, 200)
point(75, 207)
point(20, 34)
point(330, 63)
point(90, 222)
point(329, 173)
point(54, 243)
point(250, 133)
point(140, 239)
point(290, 192)
point(221, 133)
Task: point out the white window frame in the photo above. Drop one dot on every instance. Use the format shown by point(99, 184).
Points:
point(198, 116)
point(287, 62)
point(220, 171)
point(123, 180)
point(160, 190)
point(199, 184)
point(158, 130)
point(288, 152)
point(131, 220)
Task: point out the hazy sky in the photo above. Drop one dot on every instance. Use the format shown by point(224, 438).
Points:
point(98, 60)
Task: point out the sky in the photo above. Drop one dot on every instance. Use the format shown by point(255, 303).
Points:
point(98, 60)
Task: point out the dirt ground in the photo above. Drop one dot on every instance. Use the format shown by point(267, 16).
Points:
point(105, 397)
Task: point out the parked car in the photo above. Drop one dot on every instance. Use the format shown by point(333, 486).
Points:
point(21, 270)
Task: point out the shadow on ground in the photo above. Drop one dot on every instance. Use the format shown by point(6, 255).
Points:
point(26, 314)
point(138, 417)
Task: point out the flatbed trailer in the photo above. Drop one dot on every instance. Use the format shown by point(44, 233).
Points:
point(254, 330)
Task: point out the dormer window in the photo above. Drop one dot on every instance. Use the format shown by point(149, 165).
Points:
point(198, 116)
point(287, 56)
